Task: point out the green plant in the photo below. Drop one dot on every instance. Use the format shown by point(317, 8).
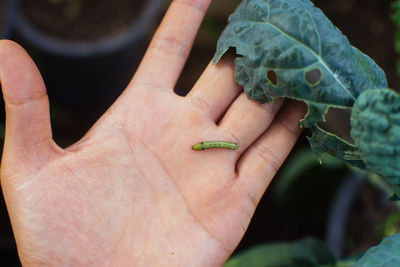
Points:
point(375, 130)
point(386, 254)
point(391, 225)
point(288, 48)
point(306, 252)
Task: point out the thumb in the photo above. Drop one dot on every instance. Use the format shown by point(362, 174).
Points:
point(28, 134)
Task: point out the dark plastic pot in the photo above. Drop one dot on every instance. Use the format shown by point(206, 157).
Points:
point(89, 73)
point(344, 205)
point(8, 24)
point(339, 213)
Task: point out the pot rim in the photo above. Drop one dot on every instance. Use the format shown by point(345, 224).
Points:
point(109, 44)
point(9, 18)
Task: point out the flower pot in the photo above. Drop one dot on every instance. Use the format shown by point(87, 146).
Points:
point(358, 214)
point(7, 15)
point(339, 213)
point(88, 72)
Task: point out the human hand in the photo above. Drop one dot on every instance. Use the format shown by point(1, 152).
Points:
point(132, 192)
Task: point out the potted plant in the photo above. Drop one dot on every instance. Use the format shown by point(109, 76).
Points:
point(86, 50)
point(7, 15)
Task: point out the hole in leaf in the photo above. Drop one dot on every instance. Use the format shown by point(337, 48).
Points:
point(272, 77)
point(313, 77)
point(338, 123)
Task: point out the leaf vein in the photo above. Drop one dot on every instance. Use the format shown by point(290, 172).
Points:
point(320, 59)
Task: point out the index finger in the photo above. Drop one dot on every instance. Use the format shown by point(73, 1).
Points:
point(171, 44)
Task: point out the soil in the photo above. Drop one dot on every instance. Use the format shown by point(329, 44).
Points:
point(86, 20)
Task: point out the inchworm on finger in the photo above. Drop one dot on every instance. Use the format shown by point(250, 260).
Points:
point(215, 144)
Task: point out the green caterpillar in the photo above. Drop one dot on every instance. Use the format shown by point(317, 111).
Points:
point(215, 144)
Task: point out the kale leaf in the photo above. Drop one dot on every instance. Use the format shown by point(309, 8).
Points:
point(375, 129)
point(385, 254)
point(289, 48)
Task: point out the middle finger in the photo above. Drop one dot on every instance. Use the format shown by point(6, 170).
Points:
point(216, 89)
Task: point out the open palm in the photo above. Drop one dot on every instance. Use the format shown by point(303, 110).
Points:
point(132, 192)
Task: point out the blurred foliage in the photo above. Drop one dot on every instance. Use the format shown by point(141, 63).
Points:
point(306, 186)
point(302, 163)
point(386, 254)
point(391, 225)
point(306, 252)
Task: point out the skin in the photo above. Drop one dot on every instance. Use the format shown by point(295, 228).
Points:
point(126, 195)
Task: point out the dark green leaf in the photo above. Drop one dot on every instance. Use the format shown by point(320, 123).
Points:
point(386, 254)
point(306, 252)
point(292, 38)
point(394, 197)
point(375, 121)
point(324, 142)
point(298, 171)
point(288, 48)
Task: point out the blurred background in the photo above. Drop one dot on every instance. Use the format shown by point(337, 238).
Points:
point(87, 51)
